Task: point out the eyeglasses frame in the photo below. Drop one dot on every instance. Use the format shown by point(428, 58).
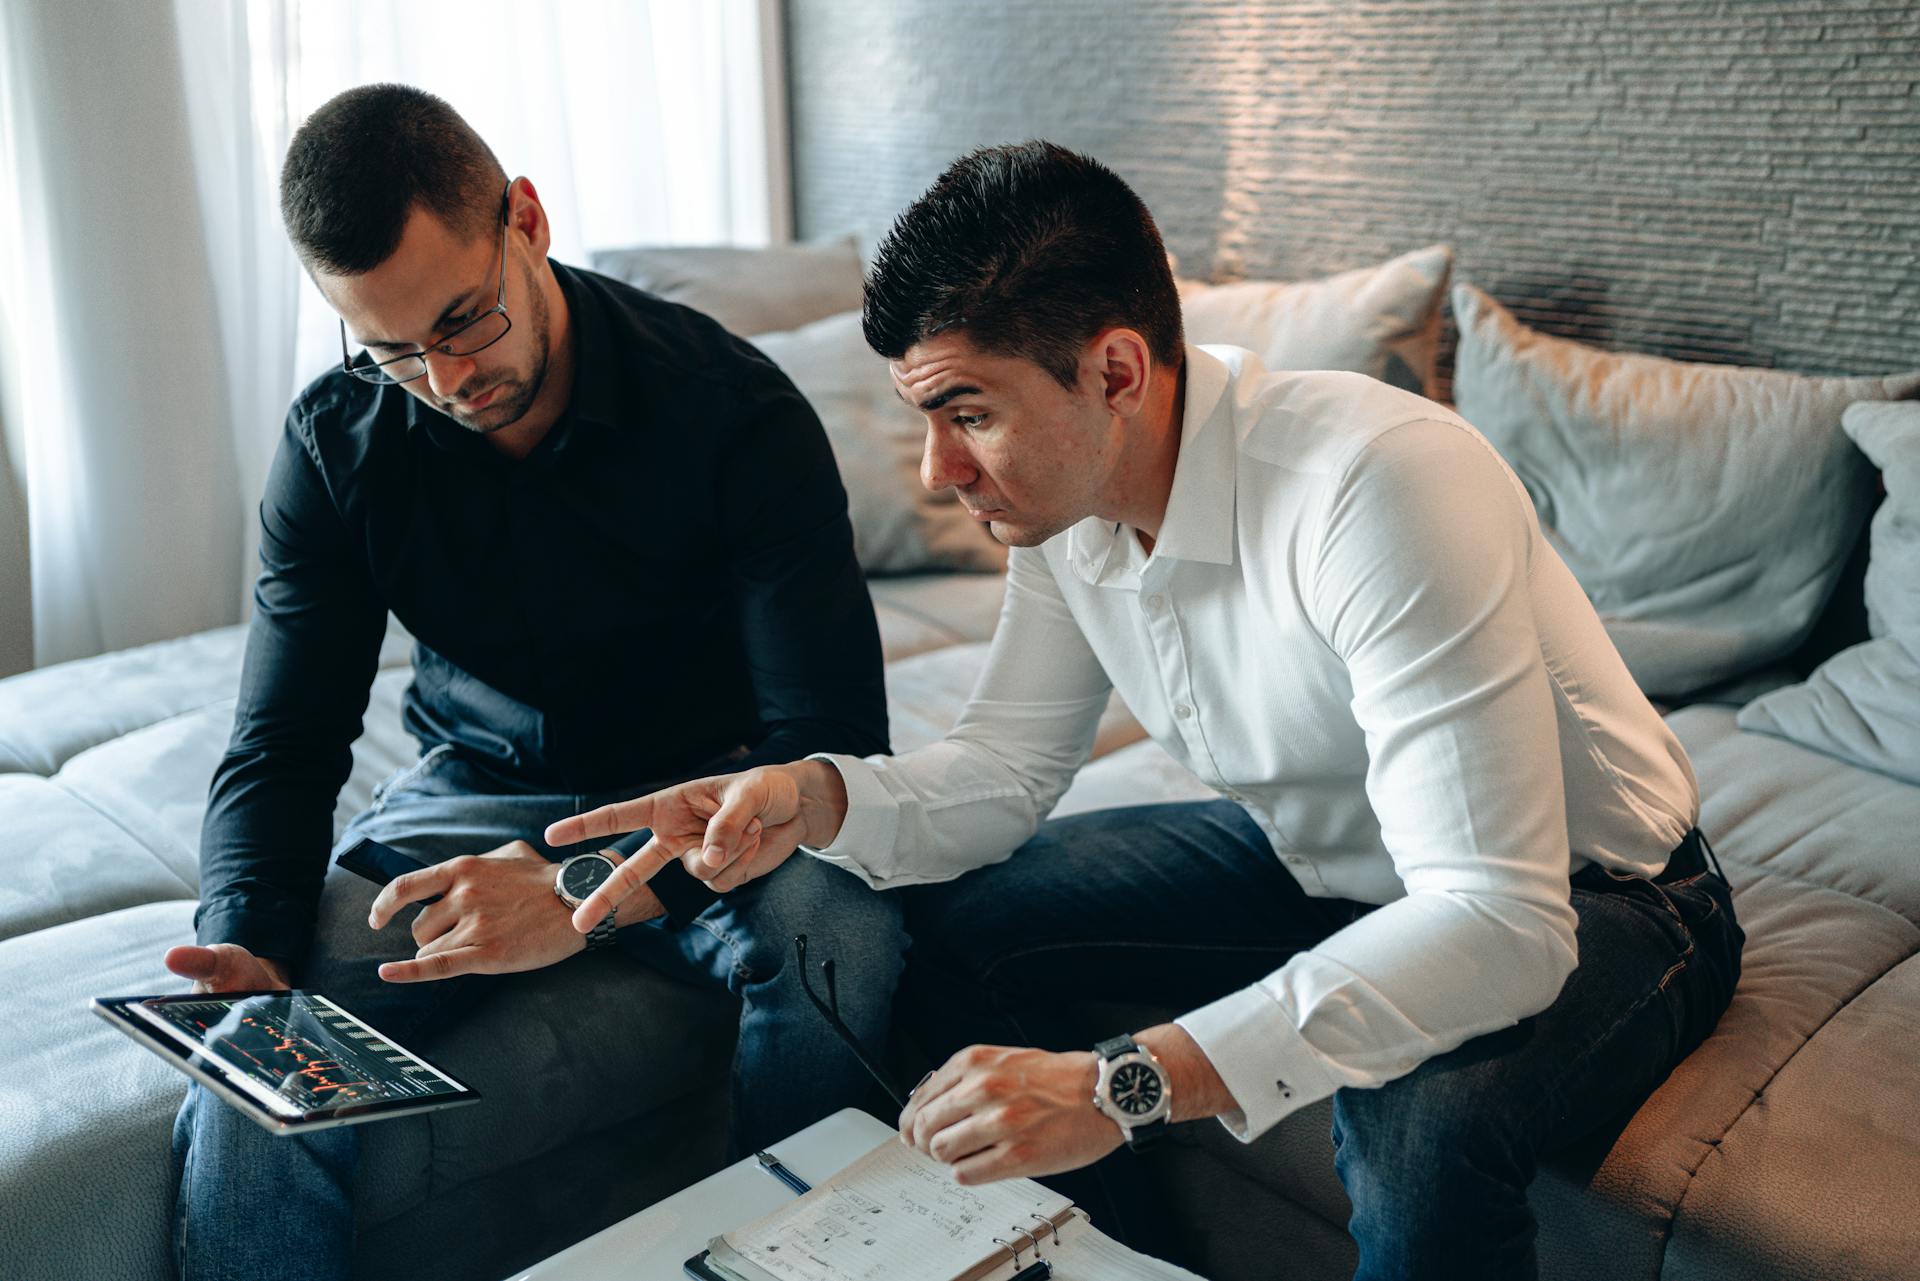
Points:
point(443, 345)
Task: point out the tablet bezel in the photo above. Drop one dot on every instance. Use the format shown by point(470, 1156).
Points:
point(218, 1078)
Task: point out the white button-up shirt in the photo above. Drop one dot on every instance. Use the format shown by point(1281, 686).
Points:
point(1351, 625)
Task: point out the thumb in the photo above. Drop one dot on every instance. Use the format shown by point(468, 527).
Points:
point(197, 963)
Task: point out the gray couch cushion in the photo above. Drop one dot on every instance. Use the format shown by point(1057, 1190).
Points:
point(84, 1113)
point(64, 860)
point(50, 715)
point(1818, 1179)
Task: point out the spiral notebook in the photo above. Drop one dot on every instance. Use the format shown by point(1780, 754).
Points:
point(896, 1215)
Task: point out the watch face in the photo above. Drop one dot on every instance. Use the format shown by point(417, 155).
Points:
point(1135, 1088)
point(583, 876)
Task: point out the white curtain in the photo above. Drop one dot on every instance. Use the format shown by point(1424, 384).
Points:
point(143, 239)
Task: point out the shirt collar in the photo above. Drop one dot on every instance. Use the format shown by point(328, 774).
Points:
point(1199, 520)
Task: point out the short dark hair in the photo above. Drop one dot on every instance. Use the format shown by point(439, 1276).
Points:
point(1033, 249)
point(359, 165)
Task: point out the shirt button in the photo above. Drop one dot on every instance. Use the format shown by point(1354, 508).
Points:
point(1156, 601)
point(1182, 710)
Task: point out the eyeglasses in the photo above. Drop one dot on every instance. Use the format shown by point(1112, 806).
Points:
point(484, 330)
point(830, 1011)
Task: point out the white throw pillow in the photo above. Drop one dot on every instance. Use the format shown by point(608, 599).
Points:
point(1383, 321)
point(898, 526)
point(1863, 704)
point(1707, 510)
point(749, 291)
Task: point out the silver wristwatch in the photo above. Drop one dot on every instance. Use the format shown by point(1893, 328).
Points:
point(574, 882)
point(1132, 1090)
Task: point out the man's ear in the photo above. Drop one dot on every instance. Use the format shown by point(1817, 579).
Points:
point(1125, 367)
point(529, 217)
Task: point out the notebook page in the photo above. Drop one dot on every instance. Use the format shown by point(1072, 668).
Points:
point(1092, 1255)
point(893, 1215)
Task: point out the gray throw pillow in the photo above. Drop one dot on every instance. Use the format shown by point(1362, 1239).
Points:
point(1707, 510)
point(1863, 704)
point(898, 526)
point(1383, 321)
point(749, 291)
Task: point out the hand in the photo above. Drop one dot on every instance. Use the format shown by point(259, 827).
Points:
point(726, 830)
point(992, 1113)
point(226, 967)
point(497, 914)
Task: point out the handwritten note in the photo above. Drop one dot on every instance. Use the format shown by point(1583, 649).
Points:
point(897, 1214)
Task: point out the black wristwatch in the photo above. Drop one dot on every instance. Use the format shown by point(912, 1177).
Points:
point(1133, 1091)
point(575, 881)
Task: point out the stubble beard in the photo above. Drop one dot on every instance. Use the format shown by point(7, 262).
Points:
point(519, 394)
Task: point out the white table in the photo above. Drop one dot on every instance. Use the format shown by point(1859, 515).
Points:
point(651, 1245)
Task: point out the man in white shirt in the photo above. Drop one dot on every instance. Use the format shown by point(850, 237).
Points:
point(1453, 881)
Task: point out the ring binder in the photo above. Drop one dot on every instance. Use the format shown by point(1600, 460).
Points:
point(896, 1214)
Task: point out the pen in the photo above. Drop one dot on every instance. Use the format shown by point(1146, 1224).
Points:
point(771, 1164)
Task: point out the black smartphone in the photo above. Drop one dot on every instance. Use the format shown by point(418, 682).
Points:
point(379, 863)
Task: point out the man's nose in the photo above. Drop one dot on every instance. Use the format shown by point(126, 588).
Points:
point(447, 374)
point(943, 463)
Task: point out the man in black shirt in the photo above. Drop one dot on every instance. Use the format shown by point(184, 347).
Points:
point(515, 433)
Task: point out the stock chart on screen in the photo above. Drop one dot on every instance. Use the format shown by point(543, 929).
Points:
point(299, 1052)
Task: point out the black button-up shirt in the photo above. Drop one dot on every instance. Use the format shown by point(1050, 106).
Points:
point(666, 579)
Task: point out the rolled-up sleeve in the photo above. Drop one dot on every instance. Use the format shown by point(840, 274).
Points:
point(1421, 587)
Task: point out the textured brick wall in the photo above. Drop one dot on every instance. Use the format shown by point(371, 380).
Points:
point(1733, 181)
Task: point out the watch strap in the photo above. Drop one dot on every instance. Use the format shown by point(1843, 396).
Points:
point(601, 935)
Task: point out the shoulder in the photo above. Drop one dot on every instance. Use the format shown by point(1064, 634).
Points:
point(342, 423)
point(1320, 422)
point(674, 349)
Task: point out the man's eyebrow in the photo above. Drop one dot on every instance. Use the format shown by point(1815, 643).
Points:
point(451, 309)
point(932, 403)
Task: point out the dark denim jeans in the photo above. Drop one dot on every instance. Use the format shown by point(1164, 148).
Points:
point(1175, 905)
point(249, 1201)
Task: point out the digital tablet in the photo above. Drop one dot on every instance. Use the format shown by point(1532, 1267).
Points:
point(293, 1061)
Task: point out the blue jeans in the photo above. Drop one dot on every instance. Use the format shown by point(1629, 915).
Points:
point(249, 1200)
point(1175, 905)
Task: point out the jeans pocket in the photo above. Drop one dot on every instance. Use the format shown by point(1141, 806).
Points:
point(407, 775)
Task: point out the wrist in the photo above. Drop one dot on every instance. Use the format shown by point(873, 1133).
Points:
point(1198, 1092)
point(823, 801)
point(277, 969)
point(639, 907)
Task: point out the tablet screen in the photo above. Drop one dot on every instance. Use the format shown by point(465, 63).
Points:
point(297, 1052)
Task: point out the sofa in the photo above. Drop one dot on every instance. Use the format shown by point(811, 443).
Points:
point(1787, 1146)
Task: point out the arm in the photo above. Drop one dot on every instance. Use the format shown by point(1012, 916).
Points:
point(312, 648)
point(805, 617)
point(927, 815)
point(1452, 693)
point(971, 799)
point(806, 621)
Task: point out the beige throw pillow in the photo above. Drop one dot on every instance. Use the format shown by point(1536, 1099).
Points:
point(1382, 321)
point(1707, 510)
point(898, 526)
point(749, 291)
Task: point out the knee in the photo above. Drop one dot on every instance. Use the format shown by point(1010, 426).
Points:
point(844, 920)
point(1422, 1153)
